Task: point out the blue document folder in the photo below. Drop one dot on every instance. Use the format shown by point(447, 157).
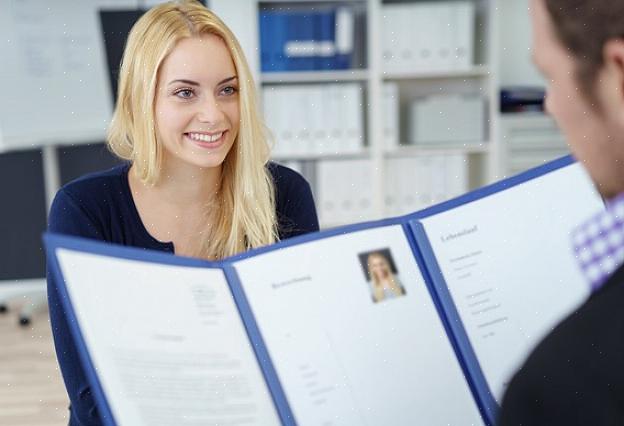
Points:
point(418, 319)
point(302, 40)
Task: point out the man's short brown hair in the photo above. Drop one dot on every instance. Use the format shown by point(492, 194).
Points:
point(583, 27)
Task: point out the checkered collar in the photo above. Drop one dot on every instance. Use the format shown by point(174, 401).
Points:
point(599, 243)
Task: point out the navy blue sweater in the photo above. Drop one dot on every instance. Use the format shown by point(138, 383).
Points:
point(100, 206)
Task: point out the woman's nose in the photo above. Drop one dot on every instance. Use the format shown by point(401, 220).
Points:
point(210, 111)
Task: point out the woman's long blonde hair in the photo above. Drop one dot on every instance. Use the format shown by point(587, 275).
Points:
point(377, 284)
point(245, 216)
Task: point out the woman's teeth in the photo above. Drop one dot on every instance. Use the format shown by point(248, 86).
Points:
point(204, 137)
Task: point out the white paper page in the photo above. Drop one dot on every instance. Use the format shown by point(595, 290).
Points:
point(167, 341)
point(344, 359)
point(508, 263)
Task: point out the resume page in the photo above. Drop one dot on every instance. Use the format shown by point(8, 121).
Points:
point(508, 262)
point(167, 342)
point(353, 334)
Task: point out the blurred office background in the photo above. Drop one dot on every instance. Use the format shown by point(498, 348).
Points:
point(385, 106)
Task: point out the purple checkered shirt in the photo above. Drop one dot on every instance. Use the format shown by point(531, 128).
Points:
point(599, 243)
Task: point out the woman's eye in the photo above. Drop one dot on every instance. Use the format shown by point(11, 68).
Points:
point(184, 93)
point(228, 91)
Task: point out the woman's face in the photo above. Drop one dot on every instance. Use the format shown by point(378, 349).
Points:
point(197, 106)
point(379, 266)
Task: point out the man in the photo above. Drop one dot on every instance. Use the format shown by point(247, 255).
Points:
point(576, 375)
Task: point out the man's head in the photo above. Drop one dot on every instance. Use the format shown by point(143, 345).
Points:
point(579, 47)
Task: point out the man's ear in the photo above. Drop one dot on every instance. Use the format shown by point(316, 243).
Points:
point(611, 78)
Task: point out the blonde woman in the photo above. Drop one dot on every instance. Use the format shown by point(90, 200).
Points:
point(384, 283)
point(197, 181)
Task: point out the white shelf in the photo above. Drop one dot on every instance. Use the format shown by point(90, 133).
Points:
point(442, 149)
point(268, 2)
point(477, 71)
point(364, 153)
point(314, 76)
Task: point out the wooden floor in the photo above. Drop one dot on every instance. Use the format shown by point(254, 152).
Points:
point(31, 387)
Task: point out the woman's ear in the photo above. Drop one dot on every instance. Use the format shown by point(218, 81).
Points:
point(610, 84)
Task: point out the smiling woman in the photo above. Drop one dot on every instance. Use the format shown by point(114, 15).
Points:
point(197, 181)
point(197, 104)
point(197, 120)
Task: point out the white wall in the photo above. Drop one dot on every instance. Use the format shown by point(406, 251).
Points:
point(515, 66)
point(241, 16)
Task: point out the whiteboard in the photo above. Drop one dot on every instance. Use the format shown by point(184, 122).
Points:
point(54, 86)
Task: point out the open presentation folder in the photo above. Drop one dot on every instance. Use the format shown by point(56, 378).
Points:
point(420, 319)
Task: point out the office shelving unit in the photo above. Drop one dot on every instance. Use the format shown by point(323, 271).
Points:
point(530, 139)
point(483, 157)
point(314, 76)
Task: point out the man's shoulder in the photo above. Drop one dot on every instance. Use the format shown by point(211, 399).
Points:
point(576, 373)
point(592, 331)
